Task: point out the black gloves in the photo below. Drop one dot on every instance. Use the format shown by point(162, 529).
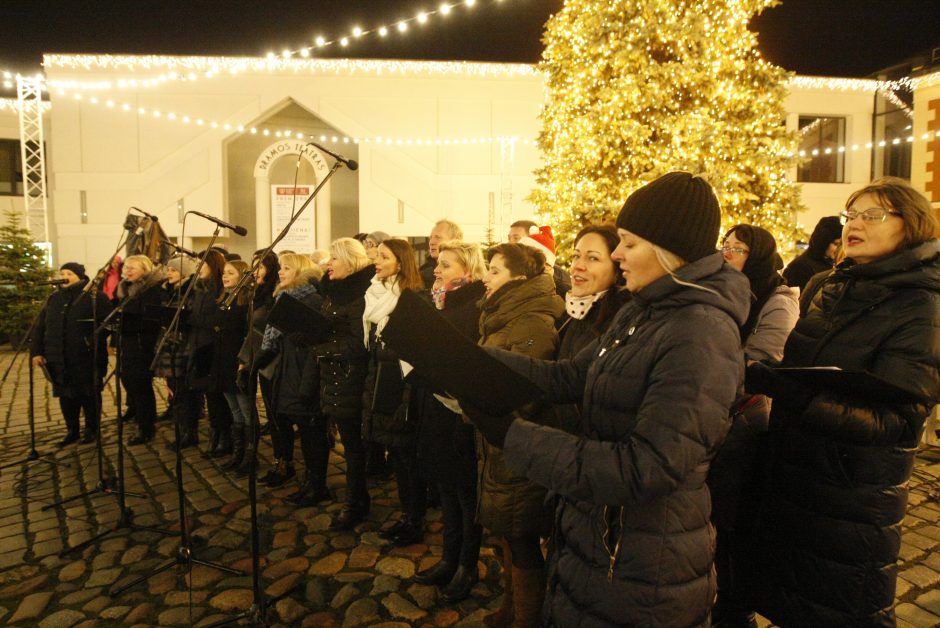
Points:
point(493, 428)
point(762, 379)
point(262, 359)
point(243, 381)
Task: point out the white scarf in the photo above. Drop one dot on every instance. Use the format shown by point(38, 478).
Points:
point(381, 299)
point(578, 307)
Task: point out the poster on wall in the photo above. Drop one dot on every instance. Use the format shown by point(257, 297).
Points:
point(302, 235)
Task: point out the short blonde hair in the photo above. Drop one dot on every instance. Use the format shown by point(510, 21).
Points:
point(351, 252)
point(470, 256)
point(145, 262)
point(304, 267)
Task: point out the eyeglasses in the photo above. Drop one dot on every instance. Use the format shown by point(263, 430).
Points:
point(737, 250)
point(872, 215)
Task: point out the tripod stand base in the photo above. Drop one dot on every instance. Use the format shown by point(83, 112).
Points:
point(105, 487)
point(124, 522)
point(256, 613)
point(35, 456)
point(184, 557)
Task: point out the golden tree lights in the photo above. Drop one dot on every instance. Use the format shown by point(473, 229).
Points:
point(638, 88)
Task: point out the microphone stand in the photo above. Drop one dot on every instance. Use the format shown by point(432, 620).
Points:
point(32, 455)
point(184, 553)
point(125, 520)
point(104, 485)
point(256, 614)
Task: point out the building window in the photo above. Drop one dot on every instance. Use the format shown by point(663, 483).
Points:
point(891, 126)
point(820, 141)
point(11, 168)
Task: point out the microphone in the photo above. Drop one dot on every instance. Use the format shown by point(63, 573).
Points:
point(182, 249)
point(238, 230)
point(51, 282)
point(150, 216)
point(349, 163)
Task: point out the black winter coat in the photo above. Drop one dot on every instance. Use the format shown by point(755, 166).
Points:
point(447, 442)
point(64, 337)
point(231, 327)
point(633, 545)
point(829, 529)
point(296, 380)
point(343, 357)
point(139, 327)
point(202, 334)
point(388, 417)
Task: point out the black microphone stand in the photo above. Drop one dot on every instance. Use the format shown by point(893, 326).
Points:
point(32, 455)
point(184, 553)
point(104, 485)
point(256, 614)
point(125, 520)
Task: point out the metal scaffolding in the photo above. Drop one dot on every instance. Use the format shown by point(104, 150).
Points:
point(32, 150)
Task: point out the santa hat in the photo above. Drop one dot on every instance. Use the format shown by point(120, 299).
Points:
point(544, 241)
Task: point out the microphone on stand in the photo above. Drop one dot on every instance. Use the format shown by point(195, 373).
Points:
point(150, 216)
point(50, 282)
point(182, 249)
point(238, 230)
point(349, 163)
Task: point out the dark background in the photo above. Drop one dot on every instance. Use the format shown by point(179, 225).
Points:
point(851, 38)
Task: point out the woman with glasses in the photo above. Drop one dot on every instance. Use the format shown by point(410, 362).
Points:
point(827, 536)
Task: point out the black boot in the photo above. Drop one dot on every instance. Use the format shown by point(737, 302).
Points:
point(89, 435)
point(238, 447)
point(144, 435)
point(350, 516)
point(280, 475)
point(214, 437)
point(460, 585)
point(311, 493)
point(70, 437)
point(251, 449)
point(224, 447)
point(439, 574)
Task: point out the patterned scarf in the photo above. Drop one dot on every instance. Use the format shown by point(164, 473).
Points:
point(578, 307)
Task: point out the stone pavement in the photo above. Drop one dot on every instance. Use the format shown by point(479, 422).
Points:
point(334, 579)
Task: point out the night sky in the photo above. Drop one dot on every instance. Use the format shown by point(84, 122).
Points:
point(812, 37)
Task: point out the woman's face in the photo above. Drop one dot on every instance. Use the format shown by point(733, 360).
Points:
point(591, 268)
point(735, 252)
point(337, 268)
point(637, 260)
point(371, 248)
point(68, 275)
point(260, 273)
point(287, 273)
point(172, 276)
point(868, 241)
point(386, 264)
point(230, 276)
point(133, 271)
point(448, 268)
point(205, 272)
point(498, 275)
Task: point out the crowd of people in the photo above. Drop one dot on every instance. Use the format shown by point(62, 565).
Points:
point(678, 468)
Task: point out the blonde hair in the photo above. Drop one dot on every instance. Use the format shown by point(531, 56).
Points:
point(145, 262)
point(671, 263)
point(470, 256)
point(351, 252)
point(304, 267)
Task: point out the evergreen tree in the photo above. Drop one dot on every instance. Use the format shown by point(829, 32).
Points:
point(22, 263)
point(638, 88)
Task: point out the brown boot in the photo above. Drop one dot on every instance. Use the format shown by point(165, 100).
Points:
point(528, 595)
point(503, 616)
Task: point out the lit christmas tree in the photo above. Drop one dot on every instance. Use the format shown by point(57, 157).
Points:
point(638, 88)
point(22, 263)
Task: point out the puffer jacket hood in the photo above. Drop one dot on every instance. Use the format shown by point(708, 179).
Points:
point(534, 296)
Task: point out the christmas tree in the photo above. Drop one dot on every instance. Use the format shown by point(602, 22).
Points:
point(22, 263)
point(639, 88)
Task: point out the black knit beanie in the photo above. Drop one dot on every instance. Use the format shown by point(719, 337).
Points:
point(678, 212)
point(75, 267)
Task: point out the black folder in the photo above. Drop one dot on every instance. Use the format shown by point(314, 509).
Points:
point(164, 314)
point(452, 362)
point(861, 384)
point(291, 316)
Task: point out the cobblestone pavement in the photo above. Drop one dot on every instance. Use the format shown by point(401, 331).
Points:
point(334, 579)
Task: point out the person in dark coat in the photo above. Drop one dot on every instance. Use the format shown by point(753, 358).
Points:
point(295, 381)
point(632, 544)
point(387, 414)
point(139, 330)
point(774, 310)
point(819, 256)
point(518, 315)
point(446, 441)
point(202, 372)
point(230, 330)
point(595, 297)
point(249, 381)
point(828, 531)
point(342, 361)
point(63, 342)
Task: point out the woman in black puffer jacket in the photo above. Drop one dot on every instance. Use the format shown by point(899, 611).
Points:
point(828, 532)
point(342, 365)
point(632, 542)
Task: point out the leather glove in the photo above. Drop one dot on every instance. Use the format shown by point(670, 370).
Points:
point(762, 379)
point(263, 359)
point(243, 381)
point(493, 428)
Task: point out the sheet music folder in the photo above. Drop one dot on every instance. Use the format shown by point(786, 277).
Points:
point(451, 361)
point(291, 316)
point(862, 384)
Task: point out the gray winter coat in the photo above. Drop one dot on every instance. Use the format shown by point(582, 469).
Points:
point(633, 545)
